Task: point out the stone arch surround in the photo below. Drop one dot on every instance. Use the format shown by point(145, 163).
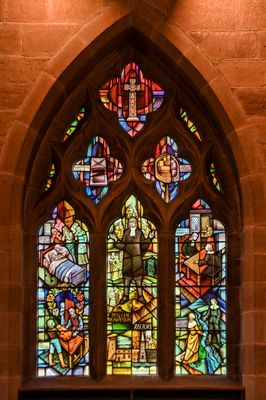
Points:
point(53, 87)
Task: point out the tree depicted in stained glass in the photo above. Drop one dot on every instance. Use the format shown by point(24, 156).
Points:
point(97, 170)
point(76, 123)
point(166, 169)
point(200, 252)
point(132, 293)
point(63, 295)
point(132, 97)
point(189, 123)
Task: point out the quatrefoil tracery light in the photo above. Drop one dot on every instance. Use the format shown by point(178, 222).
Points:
point(133, 97)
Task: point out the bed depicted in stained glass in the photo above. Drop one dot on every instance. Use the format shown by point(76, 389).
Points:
point(63, 295)
point(200, 293)
point(132, 293)
point(97, 170)
point(166, 169)
point(133, 97)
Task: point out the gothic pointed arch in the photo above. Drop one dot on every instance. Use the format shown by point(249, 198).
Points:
point(83, 81)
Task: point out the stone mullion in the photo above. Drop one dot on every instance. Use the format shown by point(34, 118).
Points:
point(98, 305)
point(166, 298)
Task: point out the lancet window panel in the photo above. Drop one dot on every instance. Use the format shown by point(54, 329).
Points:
point(132, 298)
point(63, 295)
point(201, 293)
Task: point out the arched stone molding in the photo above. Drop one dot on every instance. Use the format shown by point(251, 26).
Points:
point(54, 82)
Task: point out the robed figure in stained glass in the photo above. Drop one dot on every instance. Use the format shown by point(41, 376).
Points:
point(132, 293)
point(133, 244)
point(191, 353)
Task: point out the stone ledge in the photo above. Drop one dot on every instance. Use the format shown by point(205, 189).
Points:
point(137, 394)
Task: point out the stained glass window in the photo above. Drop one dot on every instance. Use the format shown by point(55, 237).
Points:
point(132, 293)
point(126, 228)
point(75, 124)
point(166, 169)
point(190, 124)
point(97, 170)
point(133, 97)
point(63, 295)
point(200, 293)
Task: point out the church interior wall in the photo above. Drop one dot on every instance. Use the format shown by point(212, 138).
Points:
point(218, 46)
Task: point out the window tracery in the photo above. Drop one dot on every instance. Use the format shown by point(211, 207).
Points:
point(133, 97)
point(97, 169)
point(51, 177)
point(166, 169)
point(134, 164)
point(75, 124)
